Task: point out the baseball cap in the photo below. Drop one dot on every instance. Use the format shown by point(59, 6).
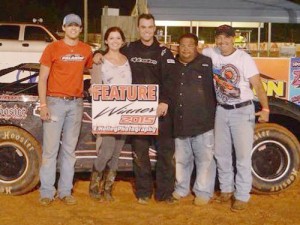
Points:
point(225, 29)
point(72, 18)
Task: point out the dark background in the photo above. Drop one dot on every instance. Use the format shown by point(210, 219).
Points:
point(53, 11)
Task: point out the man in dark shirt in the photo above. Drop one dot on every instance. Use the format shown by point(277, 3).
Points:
point(193, 106)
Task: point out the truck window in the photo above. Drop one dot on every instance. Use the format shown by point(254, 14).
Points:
point(36, 34)
point(9, 32)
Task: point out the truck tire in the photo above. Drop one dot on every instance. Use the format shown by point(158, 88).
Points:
point(20, 159)
point(275, 159)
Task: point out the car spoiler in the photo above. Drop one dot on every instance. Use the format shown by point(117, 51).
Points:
point(8, 87)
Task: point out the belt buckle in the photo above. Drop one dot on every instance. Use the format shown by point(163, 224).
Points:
point(243, 104)
point(239, 105)
point(65, 98)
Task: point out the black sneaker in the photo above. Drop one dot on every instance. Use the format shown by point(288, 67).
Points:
point(172, 200)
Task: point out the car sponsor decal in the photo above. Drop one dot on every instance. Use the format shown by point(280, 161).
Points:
point(15, 112)
point(295, 80)
point(18, 98)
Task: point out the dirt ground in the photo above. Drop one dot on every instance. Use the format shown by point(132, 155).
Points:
point(277, 209)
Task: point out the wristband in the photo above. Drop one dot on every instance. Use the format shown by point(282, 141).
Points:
point(43, 105)
point(265, 109)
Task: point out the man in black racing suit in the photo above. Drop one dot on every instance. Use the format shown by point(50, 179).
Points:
point(149, 65)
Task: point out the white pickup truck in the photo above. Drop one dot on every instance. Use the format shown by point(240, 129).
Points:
point(21, 43)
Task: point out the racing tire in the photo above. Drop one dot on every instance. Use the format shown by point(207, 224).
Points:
point(20, 159)
point(275, 159)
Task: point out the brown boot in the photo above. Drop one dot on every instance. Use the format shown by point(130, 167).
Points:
point(96, 184)
point(224, 197)
point(238, 205)
point(109, 179)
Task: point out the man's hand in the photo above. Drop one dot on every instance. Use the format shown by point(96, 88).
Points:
point(45, 113)
point(263, 116)
point(91, 90)
point(98, 58)
point(162, 109)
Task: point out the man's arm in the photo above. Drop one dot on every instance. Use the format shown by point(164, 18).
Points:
point(96, 76)
point(42, 88)
point(98, 55)
point(167, 61)
point(263, 115)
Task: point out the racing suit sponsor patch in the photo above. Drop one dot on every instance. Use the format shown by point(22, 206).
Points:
point(171, 61)
point(141, 60)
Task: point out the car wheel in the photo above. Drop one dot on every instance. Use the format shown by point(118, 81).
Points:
point(275, 159)
point(20, 158)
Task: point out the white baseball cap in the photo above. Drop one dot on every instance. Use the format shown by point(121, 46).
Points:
point(72, 18)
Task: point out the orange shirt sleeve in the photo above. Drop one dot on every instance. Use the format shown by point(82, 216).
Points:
point(46, 58)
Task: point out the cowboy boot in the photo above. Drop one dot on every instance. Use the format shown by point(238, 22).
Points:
point(109, 178)
point(96, 184)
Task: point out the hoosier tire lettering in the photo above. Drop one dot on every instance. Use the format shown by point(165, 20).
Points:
point(275, 159)
point(20, 158)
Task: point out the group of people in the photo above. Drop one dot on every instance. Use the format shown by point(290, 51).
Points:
point(205, 107)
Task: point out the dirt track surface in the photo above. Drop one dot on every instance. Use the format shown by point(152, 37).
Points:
point(278, 209)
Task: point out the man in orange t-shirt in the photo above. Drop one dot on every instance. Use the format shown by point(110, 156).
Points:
point(61, 106)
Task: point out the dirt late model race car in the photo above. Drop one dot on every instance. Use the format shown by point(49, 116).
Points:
point(275, 154)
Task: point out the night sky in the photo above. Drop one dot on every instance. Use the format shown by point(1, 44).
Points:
point(53, 11)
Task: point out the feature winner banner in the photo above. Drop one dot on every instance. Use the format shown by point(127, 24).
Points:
point(124, 109)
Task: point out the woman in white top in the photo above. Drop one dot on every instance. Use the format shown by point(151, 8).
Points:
point(115, 69)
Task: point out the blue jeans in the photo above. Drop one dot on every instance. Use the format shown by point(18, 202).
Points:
point(196, 150)
point(64, 127)
point(235, 127)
